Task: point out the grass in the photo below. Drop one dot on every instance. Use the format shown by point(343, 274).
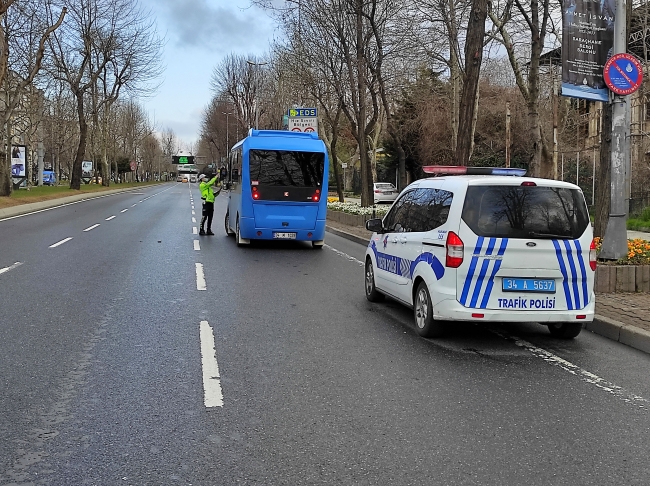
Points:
point(641, 222)
point(46, 193)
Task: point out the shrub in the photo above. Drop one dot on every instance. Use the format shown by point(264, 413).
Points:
point(355, 208)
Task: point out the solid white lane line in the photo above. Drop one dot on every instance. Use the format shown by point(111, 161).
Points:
point(195, 231)
point(124, 210)
point(200, 277)
point(109, 218)
point(583, 374)
point(212, 394)
point(92, 227)
point(10, 267)
point(60, 242)
point(193, 220)
point(197, 245)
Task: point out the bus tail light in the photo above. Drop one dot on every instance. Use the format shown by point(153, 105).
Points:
point(455, 250)
point(592, 255)
point(316, 196)
point(256, 195)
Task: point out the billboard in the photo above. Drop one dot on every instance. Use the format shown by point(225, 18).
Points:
point(86, 168)
point(587, 43)
point(18, 165)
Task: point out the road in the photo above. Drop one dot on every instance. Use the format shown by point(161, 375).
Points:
point(130, 354)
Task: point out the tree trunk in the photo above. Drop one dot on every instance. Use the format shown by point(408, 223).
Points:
point(6, 183)
point(367, 195)
point(75, 179)
point(454, 73)
point(603, 174)
point(473, 59)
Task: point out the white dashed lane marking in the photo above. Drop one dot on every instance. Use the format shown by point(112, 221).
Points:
point(212, 394)
point(110, 217)
point(195, 230)
point(60, 242)
point(10, 267)
point(200, 277)
point(124, 210)
point(91, 227)
point(197, 245)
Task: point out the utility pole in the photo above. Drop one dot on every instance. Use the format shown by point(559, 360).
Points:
point(615, 240)
point(258, 65)
point(507, 134)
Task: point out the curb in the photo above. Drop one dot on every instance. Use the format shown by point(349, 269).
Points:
point(346, 235)
point(53, 203)
point(631, 336)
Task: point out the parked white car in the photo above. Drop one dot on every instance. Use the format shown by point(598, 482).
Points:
point(384, 192)
point(486, 248)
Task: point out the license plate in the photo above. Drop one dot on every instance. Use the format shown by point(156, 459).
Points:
point(529, 285)
point(285, 236)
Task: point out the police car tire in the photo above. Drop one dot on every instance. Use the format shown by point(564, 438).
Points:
point(425, 325)
point(372, 294)
point(565, 330)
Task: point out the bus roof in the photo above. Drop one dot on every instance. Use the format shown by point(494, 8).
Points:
point(287, 137)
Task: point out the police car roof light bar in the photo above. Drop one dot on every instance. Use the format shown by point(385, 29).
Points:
point(462, 170)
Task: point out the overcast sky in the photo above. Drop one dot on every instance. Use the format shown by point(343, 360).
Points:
point(199, 33)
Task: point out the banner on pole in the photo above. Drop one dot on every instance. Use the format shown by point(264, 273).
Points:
point(587, 43)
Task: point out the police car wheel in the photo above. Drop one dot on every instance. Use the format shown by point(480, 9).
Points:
point(565, 330)
point(425, 325)
point(372, 294)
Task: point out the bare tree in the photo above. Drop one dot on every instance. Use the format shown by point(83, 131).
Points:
point(27, 35)
point(105, 47)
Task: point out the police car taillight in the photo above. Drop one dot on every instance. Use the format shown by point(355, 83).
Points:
point(455, 250)
point(592, 255)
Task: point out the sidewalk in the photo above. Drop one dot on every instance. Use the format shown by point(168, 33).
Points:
point(622, 317)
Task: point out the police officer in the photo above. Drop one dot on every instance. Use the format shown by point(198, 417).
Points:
point(208, 202)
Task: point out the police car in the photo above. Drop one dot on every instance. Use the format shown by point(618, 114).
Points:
point(486, 244)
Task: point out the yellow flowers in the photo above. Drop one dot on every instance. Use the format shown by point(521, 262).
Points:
point(638, 252)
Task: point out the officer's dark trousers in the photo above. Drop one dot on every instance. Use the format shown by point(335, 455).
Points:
point(208, 213)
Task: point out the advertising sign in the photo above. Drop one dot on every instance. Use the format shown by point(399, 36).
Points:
point(587, 42)
point(623, 74)
point(18, 165)
point(303, 120)
point(86, 168)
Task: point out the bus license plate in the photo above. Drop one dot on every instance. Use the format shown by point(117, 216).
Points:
point(284, 236)
point(528, 285)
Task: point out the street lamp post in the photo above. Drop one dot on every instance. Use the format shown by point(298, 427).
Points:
point(257, 87)
point(227, 133)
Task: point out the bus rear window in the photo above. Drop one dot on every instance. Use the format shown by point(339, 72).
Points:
point(525, 212)
point(286, 168)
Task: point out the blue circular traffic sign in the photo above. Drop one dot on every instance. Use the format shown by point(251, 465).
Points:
point(623, 74)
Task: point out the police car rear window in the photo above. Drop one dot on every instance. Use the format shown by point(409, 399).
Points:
point(525, 212)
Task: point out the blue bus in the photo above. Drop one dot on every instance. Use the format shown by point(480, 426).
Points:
point(278, 187)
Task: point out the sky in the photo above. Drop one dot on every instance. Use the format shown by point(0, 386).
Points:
point(198, 35)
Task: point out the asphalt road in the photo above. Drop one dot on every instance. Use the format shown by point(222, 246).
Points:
point(117, 368)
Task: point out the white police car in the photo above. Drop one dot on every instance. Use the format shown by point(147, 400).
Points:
point(477, 244)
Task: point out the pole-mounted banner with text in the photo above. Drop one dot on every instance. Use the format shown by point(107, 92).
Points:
point(587, 42)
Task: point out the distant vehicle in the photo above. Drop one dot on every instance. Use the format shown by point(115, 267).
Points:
point(185, 179)
point(179, 178)
point(489, 245)
point(193, 178)
point(278, 187)
point(385, 192)
point(49, 178)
